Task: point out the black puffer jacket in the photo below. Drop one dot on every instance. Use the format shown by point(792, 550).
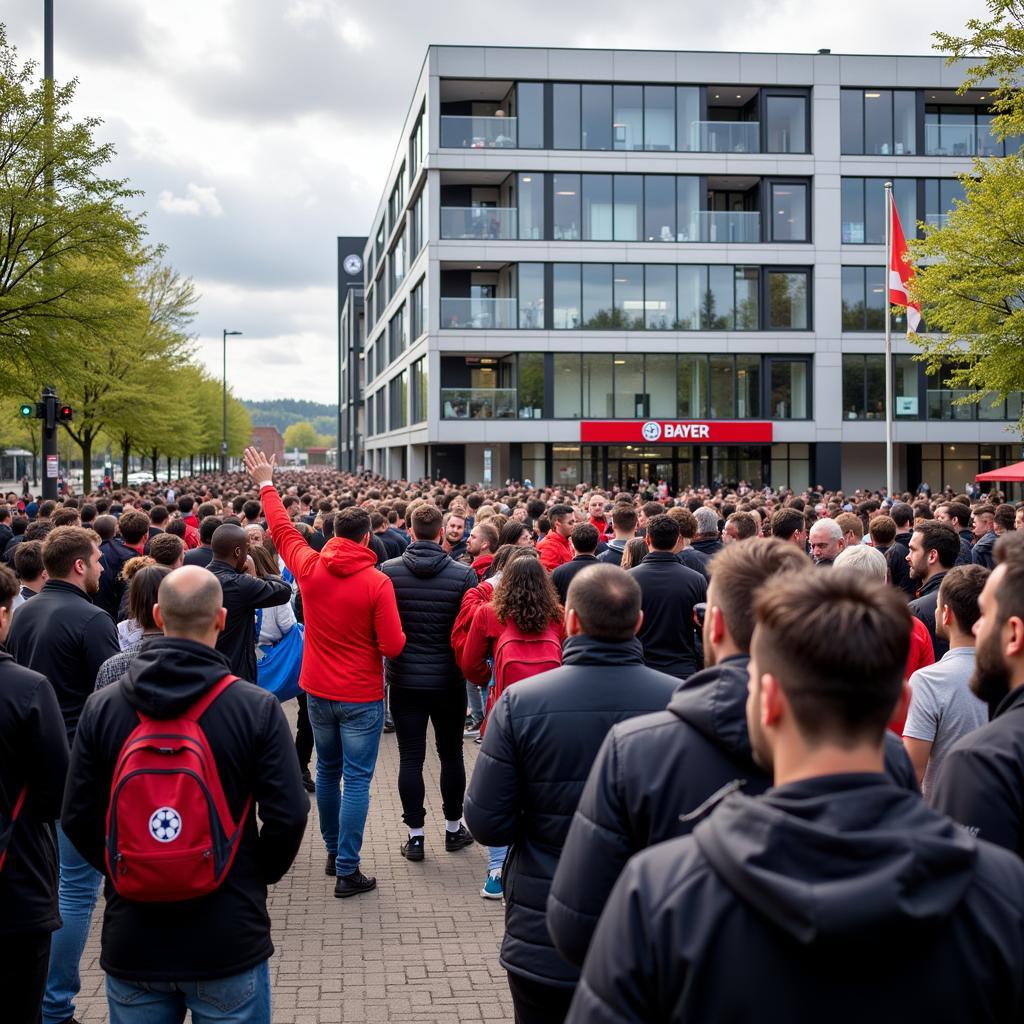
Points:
point(541, 739)
point(924, 607)
point(653, 780)
point(428, 588)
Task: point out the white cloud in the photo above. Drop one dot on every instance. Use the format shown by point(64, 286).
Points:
point(198, 199)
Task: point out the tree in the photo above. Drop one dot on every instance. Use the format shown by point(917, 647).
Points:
point(67, 239)
point(970, 278)
point(301, 435)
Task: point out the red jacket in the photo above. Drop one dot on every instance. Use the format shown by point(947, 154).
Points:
point(349, 608)
point(471, 600)
point(921, 653)
point(481, 564)
point(554, 550)
point(603, 527)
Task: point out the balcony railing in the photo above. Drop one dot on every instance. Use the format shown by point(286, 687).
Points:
point(478, 403)
point(725, 136)
point(937, 220)
point(479, 222)
point(942, 405)
point(464, 132)
point(960, 140)
point(725, 226)
point(479, 314)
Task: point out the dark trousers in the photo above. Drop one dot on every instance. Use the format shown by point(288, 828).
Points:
point(536, 1003)
point(24, 962)
point(303, 734)
point(446, 711)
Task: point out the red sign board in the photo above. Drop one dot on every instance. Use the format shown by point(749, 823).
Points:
point(675, 432)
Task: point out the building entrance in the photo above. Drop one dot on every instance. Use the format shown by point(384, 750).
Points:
point(682, 466)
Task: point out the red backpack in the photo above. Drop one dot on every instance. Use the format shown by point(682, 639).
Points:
point(170, 834)
point(518, 655)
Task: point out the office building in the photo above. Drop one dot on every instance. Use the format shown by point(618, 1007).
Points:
point(601, 266)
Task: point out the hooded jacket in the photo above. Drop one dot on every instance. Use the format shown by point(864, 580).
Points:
point(228, 931)
point(61, 634)
point(554, 550)
point(114, 555)
point(983, 552)
point(541, 739)
point(979, 782)
point(924, 607)
point(669, 591)
point(348, 608)
point(654, 779)
point(429, 588)
point(840, 897)
point(33, 753)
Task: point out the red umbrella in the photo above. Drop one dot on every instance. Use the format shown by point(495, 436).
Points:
point(1006, 474)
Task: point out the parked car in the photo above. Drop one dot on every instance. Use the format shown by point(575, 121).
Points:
point(140, 477)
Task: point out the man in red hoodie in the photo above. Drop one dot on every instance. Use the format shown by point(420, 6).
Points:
point(596, 506)
point(555, 549)
point(352, 624)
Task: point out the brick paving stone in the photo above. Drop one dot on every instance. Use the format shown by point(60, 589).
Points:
point(423, 947)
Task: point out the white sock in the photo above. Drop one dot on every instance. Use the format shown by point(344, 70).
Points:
point(452, 826)
point(413, 832)
point(496, 873)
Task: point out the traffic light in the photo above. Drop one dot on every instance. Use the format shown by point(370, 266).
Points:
point(64, 413)
point(28, 409)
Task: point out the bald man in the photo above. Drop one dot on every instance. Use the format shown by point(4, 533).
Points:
point(243, 594)
point(223, 939)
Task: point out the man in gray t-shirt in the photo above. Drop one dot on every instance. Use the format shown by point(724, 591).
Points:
point(942, 706)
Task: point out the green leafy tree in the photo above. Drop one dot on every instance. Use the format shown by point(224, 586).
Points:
point(66, 240)
point(301, 435)
point(970, 279)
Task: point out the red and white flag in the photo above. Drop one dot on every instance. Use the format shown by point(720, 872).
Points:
point(901, 273)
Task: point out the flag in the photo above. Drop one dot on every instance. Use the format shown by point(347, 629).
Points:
point(901, 272)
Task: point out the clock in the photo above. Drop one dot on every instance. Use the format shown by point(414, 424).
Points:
point(353, 264)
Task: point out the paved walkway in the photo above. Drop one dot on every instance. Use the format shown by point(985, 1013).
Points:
point(422, 948)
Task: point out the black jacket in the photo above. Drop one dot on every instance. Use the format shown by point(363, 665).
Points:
point(33, 750)
point(458, 550)
point(924, 605)
point(670, 591)
point(228, 931)
point(899, 568)
point(707, 548)
point(612, 555)
point(243, 594)
point(541, 739)
point(695, 560)
point(762, 914)
point(114, 554)
point(566, 573)
point(983, 551)
point(62, 635)
point(980, 781)
point(201, 556)
point(653, 779)
point(428, 588)
point(392, 544)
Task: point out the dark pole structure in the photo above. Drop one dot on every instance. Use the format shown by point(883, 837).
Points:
point(224, 432)
point(49, 397)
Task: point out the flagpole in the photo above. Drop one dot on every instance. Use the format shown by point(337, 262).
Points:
point(888, 342)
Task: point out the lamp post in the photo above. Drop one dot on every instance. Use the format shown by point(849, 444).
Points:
point(224, 432)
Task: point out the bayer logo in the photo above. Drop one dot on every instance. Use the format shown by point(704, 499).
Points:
point(165, 825)
point(651, 431)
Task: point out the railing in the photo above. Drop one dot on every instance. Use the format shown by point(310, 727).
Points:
point(725, 136)
point(478, 403)
point(479, 314)
point(942, 405)
point(960, 140)
point(463, 132)
point(725, 226)
point(937, 220)
point(479, 222)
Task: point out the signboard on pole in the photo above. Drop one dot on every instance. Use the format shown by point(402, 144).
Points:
point(51, 467)
point(488, 458)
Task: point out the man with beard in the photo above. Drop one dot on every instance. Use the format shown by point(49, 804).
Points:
point(980, 783)
point(61, 634)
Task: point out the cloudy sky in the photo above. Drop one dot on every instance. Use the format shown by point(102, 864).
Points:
point(259, 130)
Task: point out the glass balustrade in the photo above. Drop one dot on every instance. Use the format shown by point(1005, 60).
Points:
point(479, 314)
point(960, 140)
point(478, 403)
point(724, 226)
point(465, 132)
point(725, 136)
point(479, 222)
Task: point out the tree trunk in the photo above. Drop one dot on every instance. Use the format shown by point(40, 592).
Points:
point(179, 468)
point(156, 467)
point(86, 446)
point(191, 465)
point(126, 451)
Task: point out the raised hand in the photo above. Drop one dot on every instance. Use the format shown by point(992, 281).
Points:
point(260, 468)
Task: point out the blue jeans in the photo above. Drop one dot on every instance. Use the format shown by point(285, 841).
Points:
point(347, 738)
point(240, 999)
point(76, 895)
point(495, 857)
point(475, 696)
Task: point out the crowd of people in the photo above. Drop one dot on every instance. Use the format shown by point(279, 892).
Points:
point(731, 743)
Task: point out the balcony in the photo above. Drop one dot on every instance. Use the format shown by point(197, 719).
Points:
point(480, 223)
point(725, 226)
point(725, 136)
point(479, 314)
point(960, 140)
point(464, 132)
point(942, 405)
point(478, 403)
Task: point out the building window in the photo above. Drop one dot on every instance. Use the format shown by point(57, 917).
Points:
point(687, 115)
point(397, 202)
point(629, 295)
point(530, 114)
point(398, 400)
point(531, 206)
point(531, 296)
point(567, 385)
point(598, 386)
point(379, 403)
point(863, 291)
point(879, 122)
point(789, 383)
point(382, 234)
point(397, 341)
point(416, 238)
point(417, 319)
point(659, 117)
point(596, 117)
point(370, 319)
point(660, 208)
point(789, 211)
point(785, 124)
point(566, 207)
point(380, 296)
point(864, 387)
point(693, 385)
point(631, 401)
point(628, 117)
point(629, 205)
point(396, 265)
point(862, 203)
point(420, 391)
point(787, 300)
point(416, 148)
point(531, 385)
point(791, 467)
point(659, 297)
point(598, 302)
point(565, 112)
point(597, 207)
point(940, 197)
point(566, 296)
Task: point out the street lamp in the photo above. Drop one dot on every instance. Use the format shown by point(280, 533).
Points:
point(224, 432)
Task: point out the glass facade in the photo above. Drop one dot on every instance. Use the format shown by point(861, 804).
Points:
point(863, 299)
point(862, 202)
point(864, 387)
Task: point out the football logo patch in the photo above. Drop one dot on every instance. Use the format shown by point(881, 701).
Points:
point(165, 825)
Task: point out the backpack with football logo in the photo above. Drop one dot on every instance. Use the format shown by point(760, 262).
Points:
point(170, 833)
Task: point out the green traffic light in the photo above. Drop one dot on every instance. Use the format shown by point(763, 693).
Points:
point(27, 410)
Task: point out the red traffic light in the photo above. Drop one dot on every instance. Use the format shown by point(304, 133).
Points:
point(65, 412)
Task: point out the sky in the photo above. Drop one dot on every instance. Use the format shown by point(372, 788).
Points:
point(260, 130)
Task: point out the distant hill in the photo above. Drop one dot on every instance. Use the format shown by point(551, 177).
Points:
point(283, 412)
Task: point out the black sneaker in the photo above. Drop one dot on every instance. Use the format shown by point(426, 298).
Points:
point(389, 726)
point(412, 848)
point(307, 782)
point(457, 840)
point(330, 868)
point(353, 885)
